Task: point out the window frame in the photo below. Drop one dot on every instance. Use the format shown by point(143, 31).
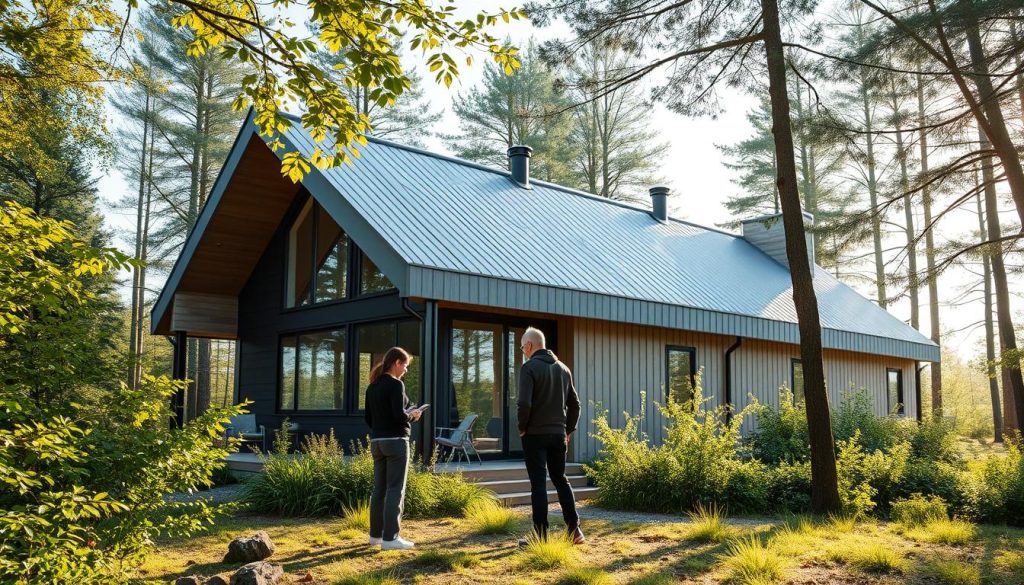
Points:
point(668, 370)
point(350, 372)
point(296, 411)
point(900, 392)
point(793, 363)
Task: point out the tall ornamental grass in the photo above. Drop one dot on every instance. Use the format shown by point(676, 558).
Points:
point(326, 481)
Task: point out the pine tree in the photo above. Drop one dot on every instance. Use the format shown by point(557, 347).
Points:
point(614, 153)
point(506, 110)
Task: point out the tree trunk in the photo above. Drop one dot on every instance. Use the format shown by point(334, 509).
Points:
point(912, 283)
point(876, 214)
point(136, 313)
point(929, 252)
point(1004, 315)
point(990, 336)
point(824, 482)
point(995, 128)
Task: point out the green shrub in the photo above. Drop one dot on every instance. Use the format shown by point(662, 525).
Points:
point(936, 440)
point(950, 482)
point(855, 415)
point(782, 433)
point(999, 485)
point(324, 481)
point(694, 464)
point(789, 487)
point(918, 510)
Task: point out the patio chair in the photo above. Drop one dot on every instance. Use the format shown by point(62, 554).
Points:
point(458, 440)
point(244, 427)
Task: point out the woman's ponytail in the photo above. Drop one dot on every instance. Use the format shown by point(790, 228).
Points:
point(395, 354)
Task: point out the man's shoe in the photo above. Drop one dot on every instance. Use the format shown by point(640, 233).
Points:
point(577, 536)
point(376, 541)
point(397, 544)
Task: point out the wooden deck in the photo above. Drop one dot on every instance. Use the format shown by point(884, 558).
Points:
point(506, 478)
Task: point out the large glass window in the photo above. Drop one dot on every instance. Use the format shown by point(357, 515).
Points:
point(476, 373)
point(371, 279)
point(317, 259)
point(372, 342)
point(894, 380)
point(680, 373)
point(796, 380)
point(313, 371)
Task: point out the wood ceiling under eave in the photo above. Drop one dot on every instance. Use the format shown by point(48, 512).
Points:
point(251, 208)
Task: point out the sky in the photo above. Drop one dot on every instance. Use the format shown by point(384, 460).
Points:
point(692, 165)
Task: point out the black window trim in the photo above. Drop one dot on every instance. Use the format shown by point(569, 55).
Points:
point(900, 394)
point(693, 367)
point(793, 361)
point(295, 411)
point(354, 271)
point(350, 373)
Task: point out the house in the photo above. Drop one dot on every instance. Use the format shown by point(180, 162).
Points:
point(453, 260)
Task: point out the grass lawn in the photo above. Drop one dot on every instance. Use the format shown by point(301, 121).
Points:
point(795, 550)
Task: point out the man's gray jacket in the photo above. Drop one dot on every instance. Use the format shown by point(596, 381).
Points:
point(548, 403)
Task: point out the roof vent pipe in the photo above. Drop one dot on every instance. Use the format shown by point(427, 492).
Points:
point(519, 164)
point(659, 202)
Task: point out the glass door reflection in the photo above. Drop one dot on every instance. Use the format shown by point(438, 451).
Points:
point(477, 380)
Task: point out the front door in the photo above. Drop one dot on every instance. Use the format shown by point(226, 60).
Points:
point(484, 364)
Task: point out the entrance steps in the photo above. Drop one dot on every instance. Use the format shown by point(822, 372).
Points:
point(510, 482)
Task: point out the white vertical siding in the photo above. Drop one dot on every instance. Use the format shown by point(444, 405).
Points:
point(613, 363)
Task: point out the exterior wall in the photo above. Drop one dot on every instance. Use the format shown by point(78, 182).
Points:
point(614, 362)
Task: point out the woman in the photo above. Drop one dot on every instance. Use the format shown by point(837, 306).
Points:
point(389, 418)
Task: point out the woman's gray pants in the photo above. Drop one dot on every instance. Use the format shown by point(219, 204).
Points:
point(390, 469)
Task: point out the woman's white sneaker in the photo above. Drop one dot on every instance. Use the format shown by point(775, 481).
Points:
point(398, 543)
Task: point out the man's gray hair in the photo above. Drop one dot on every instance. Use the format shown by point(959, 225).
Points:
point(536, 336)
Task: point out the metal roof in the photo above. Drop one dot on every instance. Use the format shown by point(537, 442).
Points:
point(448, 229)
point(450, 218)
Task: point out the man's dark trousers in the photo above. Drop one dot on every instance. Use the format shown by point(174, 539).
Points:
point(540, 451)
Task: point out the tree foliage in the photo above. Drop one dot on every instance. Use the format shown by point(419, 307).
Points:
point(84, 469)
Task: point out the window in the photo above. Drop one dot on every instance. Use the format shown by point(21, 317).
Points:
point(373, 341)
point(680, 373)
point(894, 380)
point(313, 371)
point(796, 380)
point(371, 279)
point(317, 259)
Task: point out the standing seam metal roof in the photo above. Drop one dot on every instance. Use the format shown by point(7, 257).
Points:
point(457, 217)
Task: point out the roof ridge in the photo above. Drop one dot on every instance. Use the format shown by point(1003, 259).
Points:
point(556, 186)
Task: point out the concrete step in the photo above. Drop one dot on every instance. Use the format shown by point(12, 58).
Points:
point(523, 485)
point(523, 498)
point(491, 472)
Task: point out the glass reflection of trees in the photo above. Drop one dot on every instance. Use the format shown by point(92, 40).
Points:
point(476, 376)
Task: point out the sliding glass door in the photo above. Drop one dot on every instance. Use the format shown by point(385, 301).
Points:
point(484, 363)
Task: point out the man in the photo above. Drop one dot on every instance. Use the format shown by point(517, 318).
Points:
point(549, 410)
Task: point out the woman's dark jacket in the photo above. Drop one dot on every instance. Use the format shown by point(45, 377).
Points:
point(385, 409)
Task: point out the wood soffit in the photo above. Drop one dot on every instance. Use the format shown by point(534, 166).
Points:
point(251, 208)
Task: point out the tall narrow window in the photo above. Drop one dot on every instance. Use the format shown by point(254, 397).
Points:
point(680, 373)
point(894, 380)
point(796, 380)
point(317, 258)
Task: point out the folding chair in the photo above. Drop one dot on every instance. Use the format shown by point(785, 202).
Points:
point(458, 440)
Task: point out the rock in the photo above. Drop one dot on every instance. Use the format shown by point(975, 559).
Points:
point(246, 549)
point(258, 573)
point(190, 580)
point(216, 580)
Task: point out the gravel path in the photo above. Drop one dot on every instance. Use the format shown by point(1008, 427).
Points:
point(213, 496)
point(588, 511)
